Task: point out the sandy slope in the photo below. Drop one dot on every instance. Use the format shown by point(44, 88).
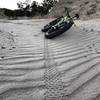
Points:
point(64, 68)
point(86, 9)
point(6, 42)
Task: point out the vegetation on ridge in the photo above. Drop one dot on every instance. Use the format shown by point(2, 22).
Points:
point(31, 10)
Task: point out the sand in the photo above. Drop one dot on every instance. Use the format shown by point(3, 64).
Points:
point(87, 9)
point(64, 68)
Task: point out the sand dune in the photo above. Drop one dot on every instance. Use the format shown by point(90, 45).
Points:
point(64, 68)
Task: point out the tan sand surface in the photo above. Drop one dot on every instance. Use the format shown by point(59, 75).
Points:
point(64, 68)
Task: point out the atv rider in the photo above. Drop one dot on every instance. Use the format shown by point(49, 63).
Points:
point(65, 19)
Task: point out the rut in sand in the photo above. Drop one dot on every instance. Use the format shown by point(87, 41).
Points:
point(52, 77)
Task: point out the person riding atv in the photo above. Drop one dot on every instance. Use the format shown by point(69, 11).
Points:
point(65, 19)
point(61, 25)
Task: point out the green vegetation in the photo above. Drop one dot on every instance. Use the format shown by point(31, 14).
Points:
point(31, 10)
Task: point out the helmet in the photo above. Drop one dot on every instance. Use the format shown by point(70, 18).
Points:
point(77, 16)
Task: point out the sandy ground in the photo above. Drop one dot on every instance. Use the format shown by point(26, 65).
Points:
point(64, 68)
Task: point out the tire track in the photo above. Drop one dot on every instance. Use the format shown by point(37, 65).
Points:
point(52, 78)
